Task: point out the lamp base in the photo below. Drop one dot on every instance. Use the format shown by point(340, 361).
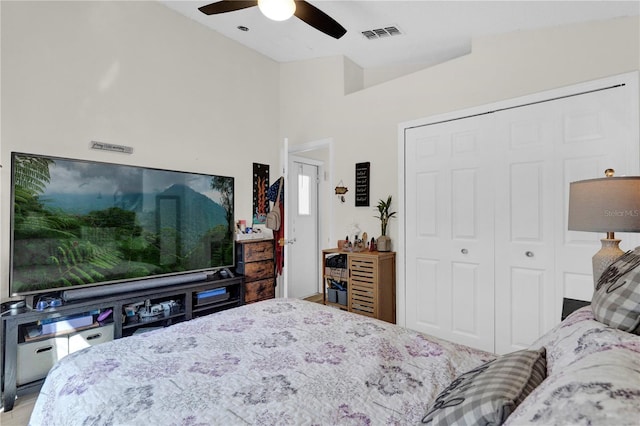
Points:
point(609, 252)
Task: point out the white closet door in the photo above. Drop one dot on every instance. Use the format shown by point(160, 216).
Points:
point(528, 179)
point(600, 131)
point(538, 262)
point(517, 164)
point(449, 226)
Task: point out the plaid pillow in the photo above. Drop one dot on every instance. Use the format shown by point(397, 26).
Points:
point(488, 394)
point(616, 299)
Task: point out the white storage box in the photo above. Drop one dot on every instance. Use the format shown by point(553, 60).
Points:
point(36, 359)
point(93, 336)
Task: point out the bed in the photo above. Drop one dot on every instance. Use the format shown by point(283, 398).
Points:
point(291, 362)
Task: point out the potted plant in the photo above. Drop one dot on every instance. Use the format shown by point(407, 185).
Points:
point(384, 242)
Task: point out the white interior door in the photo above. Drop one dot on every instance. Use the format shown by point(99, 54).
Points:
point(303, 228)
point(449, 231)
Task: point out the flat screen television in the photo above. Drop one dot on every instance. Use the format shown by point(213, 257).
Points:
point(78, 223)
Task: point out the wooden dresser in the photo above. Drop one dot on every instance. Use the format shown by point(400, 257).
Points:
point(255, 259)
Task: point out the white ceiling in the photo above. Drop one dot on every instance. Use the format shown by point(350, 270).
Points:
point(432, 31)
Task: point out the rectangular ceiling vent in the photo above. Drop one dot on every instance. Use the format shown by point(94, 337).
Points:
point(377, 33)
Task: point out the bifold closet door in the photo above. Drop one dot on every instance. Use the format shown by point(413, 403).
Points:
point(544, 147)
point(449, 208)
point(488, 255)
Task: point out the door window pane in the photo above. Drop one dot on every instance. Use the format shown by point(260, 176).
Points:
point(304, 205)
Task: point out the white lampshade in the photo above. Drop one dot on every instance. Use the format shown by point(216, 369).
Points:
point(609, 204)
point(277, 10)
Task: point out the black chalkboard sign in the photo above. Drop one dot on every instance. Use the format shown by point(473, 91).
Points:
point(362, 184)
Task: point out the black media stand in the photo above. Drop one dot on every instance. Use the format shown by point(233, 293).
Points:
point(181, 302)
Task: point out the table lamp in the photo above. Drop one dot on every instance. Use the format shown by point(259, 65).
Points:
point(609, 204)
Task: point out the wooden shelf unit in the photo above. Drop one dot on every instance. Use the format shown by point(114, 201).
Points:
point(371, 283)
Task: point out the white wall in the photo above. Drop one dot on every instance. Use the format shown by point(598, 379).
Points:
point(364, 124)
point(137, 74)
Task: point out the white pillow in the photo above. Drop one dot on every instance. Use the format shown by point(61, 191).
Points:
point(616, 299)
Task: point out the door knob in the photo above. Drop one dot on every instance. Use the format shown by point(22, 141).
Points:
point(282, 241)
point(529, 254)
point(464, 251)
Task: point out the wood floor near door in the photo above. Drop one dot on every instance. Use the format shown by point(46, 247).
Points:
point(21, 412)
point(317, 298)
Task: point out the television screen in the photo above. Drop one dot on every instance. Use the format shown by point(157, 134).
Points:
point(83, 223)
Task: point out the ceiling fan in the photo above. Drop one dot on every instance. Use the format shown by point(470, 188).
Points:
point(300, 8)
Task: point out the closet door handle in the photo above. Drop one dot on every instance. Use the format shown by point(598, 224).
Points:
point(529, 253)
point(464, 251)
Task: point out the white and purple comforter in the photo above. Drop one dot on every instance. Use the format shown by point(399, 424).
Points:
point(593, 377)
point(277, 362)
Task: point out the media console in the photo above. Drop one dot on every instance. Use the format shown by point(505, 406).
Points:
point(27, 355)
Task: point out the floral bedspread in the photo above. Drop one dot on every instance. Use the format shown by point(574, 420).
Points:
point(593, 376)
point(277, 362)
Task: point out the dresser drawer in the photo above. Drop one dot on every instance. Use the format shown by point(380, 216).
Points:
point(259, 270)
point(256, 251)
point(259, 290)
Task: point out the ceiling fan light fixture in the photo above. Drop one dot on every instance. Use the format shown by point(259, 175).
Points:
point(277, 10)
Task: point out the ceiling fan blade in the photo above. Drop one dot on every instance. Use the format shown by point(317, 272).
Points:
point(318, 19)
point(226, 6)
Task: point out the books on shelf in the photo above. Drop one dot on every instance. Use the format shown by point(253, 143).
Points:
point(209, 296)
point(59, 325)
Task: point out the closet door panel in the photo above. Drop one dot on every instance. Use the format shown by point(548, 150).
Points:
point(527, 299)
point(449, 232)
point(432, 295)
point(465, 301)
point(426, 307)
point(599, 131)
point(547, 146)
point(464, 208)
point(426, 203)
point(428, 293)
point(527, 200)
point(524, 225)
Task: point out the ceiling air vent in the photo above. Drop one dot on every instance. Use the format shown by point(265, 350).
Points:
point(381, 32)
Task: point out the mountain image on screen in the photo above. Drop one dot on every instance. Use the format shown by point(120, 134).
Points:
point(80, 223)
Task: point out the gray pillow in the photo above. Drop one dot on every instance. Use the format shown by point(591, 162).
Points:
point(488, 394)
point(616, 299)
